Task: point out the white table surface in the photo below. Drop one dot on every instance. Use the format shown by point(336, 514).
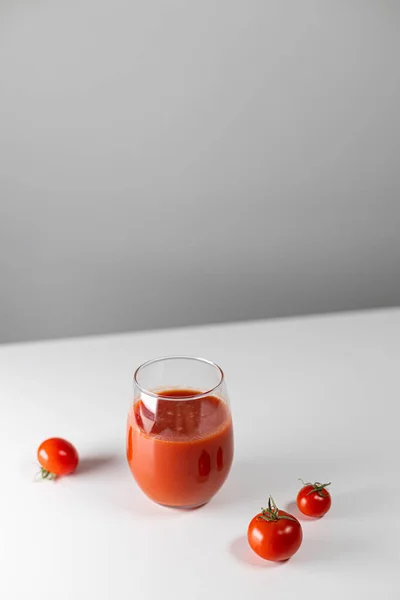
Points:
point(316, 398)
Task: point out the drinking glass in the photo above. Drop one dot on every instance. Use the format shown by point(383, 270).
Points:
point(179, 434)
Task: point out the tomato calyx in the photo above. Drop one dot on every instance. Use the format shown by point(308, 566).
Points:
point(316, 487)
point(44, 474)
point(271, 513)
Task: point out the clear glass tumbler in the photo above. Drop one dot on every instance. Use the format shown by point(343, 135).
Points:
point(179, 434)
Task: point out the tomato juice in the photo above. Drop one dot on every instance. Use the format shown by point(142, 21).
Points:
point(180, 449)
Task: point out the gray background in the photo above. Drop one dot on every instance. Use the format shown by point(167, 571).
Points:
point(166, 163)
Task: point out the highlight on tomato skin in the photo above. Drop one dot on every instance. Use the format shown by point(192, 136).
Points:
point(274, 534)
point(57, 457)
point(314, 500)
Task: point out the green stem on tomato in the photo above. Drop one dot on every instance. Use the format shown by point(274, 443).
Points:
point(319, 488)
point(271, 513)
point(44, 474)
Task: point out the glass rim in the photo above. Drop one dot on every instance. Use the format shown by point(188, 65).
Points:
point(178, 357)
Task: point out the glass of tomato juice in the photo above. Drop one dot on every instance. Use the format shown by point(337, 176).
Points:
point(179, 434)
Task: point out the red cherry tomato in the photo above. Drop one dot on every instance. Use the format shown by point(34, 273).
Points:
point(313, 499)
point(274, 534)
point(57, 457)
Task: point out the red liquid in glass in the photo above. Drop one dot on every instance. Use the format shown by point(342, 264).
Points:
point(181, 455)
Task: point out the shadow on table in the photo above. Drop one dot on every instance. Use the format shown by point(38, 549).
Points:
point(291, 508)
point(98, 462)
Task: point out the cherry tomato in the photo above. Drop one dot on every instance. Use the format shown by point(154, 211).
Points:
point(274, 534)
point(313, 499)
point(57, 457)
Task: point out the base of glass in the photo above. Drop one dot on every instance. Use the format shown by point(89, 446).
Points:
point(191, 507)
